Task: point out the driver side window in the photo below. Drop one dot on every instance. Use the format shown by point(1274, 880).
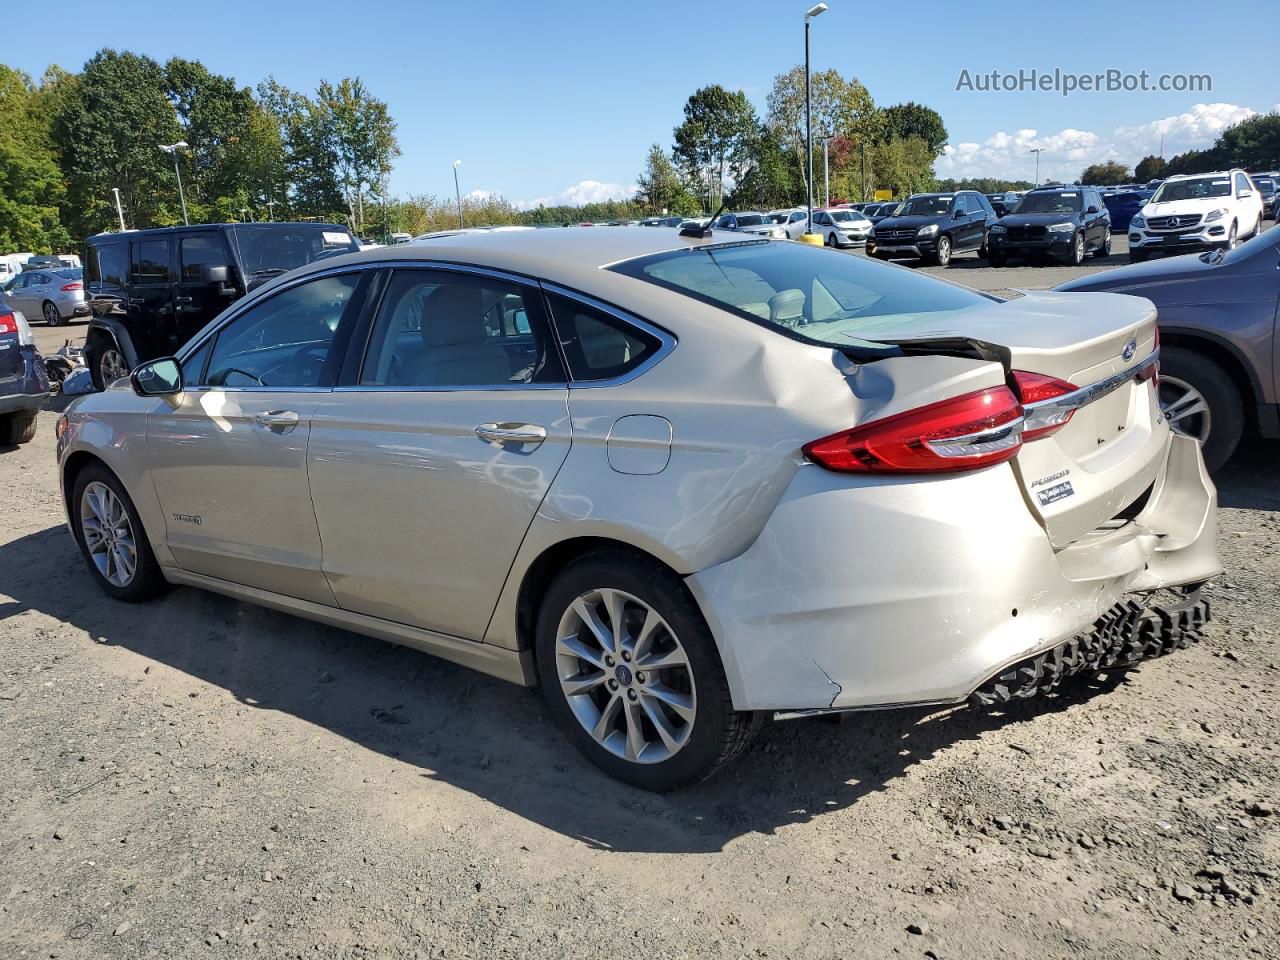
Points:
point(287, 340)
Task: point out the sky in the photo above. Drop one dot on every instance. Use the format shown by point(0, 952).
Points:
point(557, 102)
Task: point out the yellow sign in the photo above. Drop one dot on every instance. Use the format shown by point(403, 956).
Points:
point(883, 195)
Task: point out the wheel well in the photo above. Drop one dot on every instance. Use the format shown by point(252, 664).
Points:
point(1231, 365)
point(544, 569)
point(71, 469)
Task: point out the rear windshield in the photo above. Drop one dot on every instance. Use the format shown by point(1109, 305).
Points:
point(268, 249)
point(1051, 202)
point(806, 292)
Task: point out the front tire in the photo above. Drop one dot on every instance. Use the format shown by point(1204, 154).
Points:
point(107, 366)
point(942, 255)
point(631, 673)
point(1233, 236)
point(1076, 256)
point(1200, 400)
point(111, 538)
point(1137, 256)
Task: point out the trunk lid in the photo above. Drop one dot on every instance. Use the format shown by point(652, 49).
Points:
point(1084, 475)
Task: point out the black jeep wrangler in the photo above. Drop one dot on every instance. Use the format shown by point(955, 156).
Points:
point(151, 290)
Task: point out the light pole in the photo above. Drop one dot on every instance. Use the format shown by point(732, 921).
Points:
point(457, 191)
point(271, 210)
point(174, 149)
point(119, 209)
point(1036, 151)
point(826, 167)
point(815, 11)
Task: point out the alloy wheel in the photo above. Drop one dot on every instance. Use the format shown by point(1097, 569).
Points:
point(625, 676)
point(944, 251)
point(51, 315)
point(108, 534)
point(1185, 408)
point(1231, 238)
point(111, 366)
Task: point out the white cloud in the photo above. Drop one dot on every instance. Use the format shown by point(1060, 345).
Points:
point(584, 191)
point(1067, 152)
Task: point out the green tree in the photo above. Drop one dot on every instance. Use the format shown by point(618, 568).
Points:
point(108, 128)
point(712, 144)
point(361, 138)
point(309, 184)
point(1252, 143)
point(840, 108)
point(771, 180)
point(30, 181)
point(903, 165)
point(1102, 174)
point(660, 188)
point(1149, 167)
point(981, 184)
point(1194, 161)
point(912, 119)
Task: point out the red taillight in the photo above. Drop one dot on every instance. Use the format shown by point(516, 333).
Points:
point(964, 433)
point(1036, 388)
point(8, 323)
point(1152, 372)
point(74, 285)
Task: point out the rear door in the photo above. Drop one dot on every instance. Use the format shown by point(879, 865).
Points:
point(197, 301)
point(150, 298)
point(428, 466)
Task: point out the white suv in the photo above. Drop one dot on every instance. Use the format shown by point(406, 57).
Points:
point(1199, 210)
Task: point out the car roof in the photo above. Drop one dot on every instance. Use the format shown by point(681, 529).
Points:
point(1195, 176)
point(196, 227)
point(573, 256)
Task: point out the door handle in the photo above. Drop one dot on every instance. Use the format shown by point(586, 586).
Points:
point(529, 433)
point(281, 421)
point(182, 301)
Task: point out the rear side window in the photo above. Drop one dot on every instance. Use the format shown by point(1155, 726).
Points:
point(150, 262)
point(199, 251)
point(597, 345)
point(108, 264)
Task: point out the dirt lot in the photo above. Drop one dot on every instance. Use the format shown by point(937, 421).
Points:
point(198, 777)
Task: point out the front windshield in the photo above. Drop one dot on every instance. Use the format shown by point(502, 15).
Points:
point(278, 248)
point(925, 206)
point(1196, 189)
point(751, 219)
point(847, 215)
point(814, 294)
point(1050, 202)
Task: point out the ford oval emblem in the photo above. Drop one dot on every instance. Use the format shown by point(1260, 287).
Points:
point(1130, 349)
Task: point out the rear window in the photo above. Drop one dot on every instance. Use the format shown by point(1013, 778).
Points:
point(810, 294)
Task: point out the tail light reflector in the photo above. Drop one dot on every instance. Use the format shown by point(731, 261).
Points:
point(1037, 392)
point(73, 285)
point(975, 430)
point(8, 323)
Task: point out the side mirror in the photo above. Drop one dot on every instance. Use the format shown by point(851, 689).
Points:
point(210, 274)
point(157, 378)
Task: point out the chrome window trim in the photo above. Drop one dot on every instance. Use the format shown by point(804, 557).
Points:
point(1094, 391)
point(666, 340)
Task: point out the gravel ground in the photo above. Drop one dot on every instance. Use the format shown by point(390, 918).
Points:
point(197, 777)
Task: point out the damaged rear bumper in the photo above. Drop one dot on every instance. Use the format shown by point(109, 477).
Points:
point(903, 592)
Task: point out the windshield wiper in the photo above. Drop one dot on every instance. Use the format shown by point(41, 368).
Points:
point(269, 271)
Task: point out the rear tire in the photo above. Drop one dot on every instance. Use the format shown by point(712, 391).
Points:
point(52, 315)
point(623, 696)
point(145, 581)
point(1182, 368)
point(17, 428)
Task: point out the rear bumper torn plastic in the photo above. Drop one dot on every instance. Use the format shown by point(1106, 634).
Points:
point(1124, 636)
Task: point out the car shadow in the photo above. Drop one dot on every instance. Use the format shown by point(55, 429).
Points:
point(492, 739)
point(1248, 479)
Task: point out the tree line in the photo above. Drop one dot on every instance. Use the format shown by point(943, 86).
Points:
point(1252, 144)
point(723, 151)
point(70, 140)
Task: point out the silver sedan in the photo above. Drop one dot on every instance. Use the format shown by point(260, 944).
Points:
point(57, 294)
point(678, 482)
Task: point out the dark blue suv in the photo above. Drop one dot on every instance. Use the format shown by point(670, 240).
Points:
point(1063, 222)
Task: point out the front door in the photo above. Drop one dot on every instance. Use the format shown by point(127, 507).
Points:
point(428, 469)
point(19, 295)
point(228, 453)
